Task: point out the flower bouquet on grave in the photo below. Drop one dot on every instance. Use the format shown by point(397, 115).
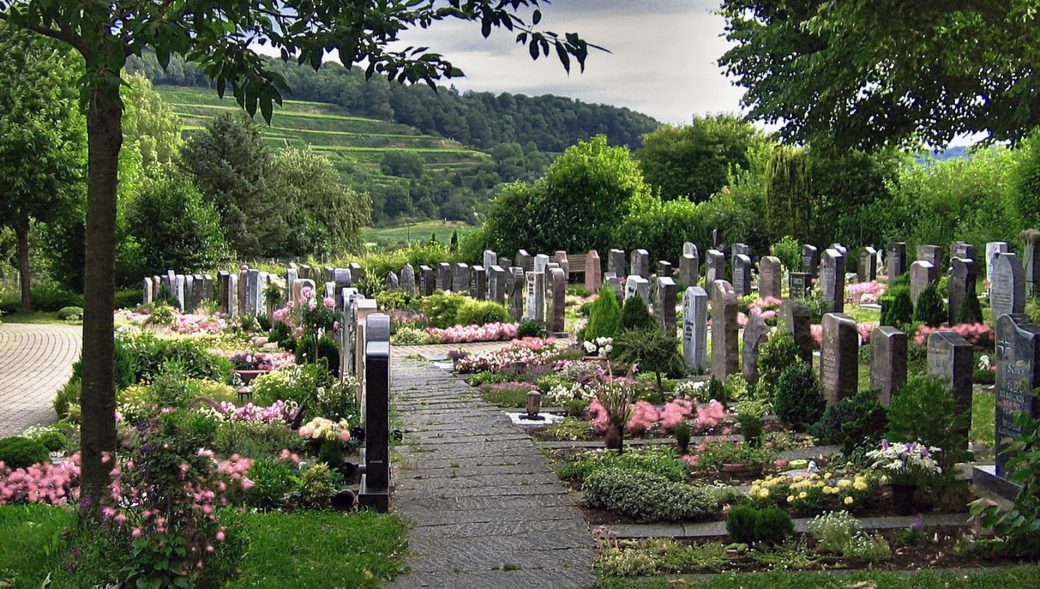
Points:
point(598, 348)
point(906, 466)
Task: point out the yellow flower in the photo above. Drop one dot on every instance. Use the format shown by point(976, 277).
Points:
point(859, 486)
point(843, 483)
point(827, 476)
point(848, 501)
point(790, 498)
point(798, 479)
point(763, 493)
point(803, 495)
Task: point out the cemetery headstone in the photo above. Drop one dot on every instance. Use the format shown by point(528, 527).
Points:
point(867, 265)
point(490, 259)
point(963, 273)
point(356, 273)
point(392, 281)
point(796, 321)
point(614, 282)
point(243, 289)
point(716, 238)
point(770, 277)
point(189, 293)
point(839, 357)
point(739, 249)
point(224, 291)
point(962, 250)
point(291, 273)
point(755, 333)
point(951, 358)
point(897, 259)
point(993, 249)
point(742, 275)
point(689, 249)
point(253, 293)
point(832, 280)
point(497, 284)
point(427, 280)
point(232, 296)
point(478, 283)
point(515, 291)
point(922, 274)
point(800, 284)
point(810, 260)
point(1008, 293)
point(1031, 261)
point(616, 262)
point(724, 353)
point(841, 248)
point(664, 303)
point(147, 286)
point(1018, 374)
point(535, 295)
point(664, 268)
point(460, 278)
point(207, 288)
point(593, 272)
point(716, 266)
point(637, 286)
point(560, 257)
point(641, 263)
point(931, 254)
point(443, 276)
point(524, 260)
point(556, 294)
point(408, 279)
point(375, 482)
point(888, 346)
point(541, 261)
point(689, 268)
point(695, 328)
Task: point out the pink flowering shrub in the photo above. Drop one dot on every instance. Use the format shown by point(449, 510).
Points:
point(193, 324)
point(864, 292)
point(644, 417)
point(709, 416)
point(277, 411)
point(598, 413)
point(257, 360)
point(979, 334)
point(768, 307)
point(675, 412)
point(528, 352)
point(490, 332)
point(54, 484)
point(816, 331)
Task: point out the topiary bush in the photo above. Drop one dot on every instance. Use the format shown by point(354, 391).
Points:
point(666, 464)
point(604, 316)
point(853, 422)
point(777, 353)
point(70, 313)
point(797, 398)
point(635, 315)
point(646, 496)
point(926, 412)
point(747, 525)
point(442, 309)
point(740, 524)
point(930, 309)
point(654, 350)
point(482, 313)
point(897, 308)
point(18, 452)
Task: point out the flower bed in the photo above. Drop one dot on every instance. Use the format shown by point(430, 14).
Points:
point(491, 332)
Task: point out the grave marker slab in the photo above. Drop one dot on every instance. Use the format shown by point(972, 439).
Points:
point(392, 281)
point(800, 284)
point(541, 261)
point(616, 262)
point(742, 275)
point(490, 259)
point(832, 280)
point(593, 272)
point(810, 260)
point(695, 328)
point(515, 290)
point(689, 249)
point(755, 333)
point(443, 276)
point(716, 266)
point(460, 278)
point(147, 286)
point(951, 358)
point(478, 283)
point(497, 284)
point(560, 257)
point(963, 273)
point(867, 265)
point(664, 304)
point(922, 274)
point(689, 269)
point(614, 282)
point(931, 254)
point(839, 357)
point(770, 276)
point(524, 260)
point(1018, 373)
point(637, 286)
point(641, 263)
point(896, 259)
point(796, 321)
point(1031, 261)
point(408, 280)
point(724, 344)
point(556, 294)
point(1008, 293)
point(535, 297)
point(888, 347)
point(993, 249)
point(664, 268)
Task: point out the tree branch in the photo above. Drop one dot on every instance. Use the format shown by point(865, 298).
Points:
point(64, 35)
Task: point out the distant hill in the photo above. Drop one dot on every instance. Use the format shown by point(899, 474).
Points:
point(953, 153)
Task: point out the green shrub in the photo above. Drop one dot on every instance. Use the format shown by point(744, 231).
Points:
point(253, 439)
point(50, 437)
point(482, 313)
point(853, 422)
point(531, 329)
point(747, 525)
point(201, 426)
point(925, 411)
point(789, 251)
point(868, 548)
point(67, 398)
point(18, 452)
point(797, 398)
point(171, 387)
point(66, 313)
point(646, 496)
point(897, 308)
point(930, 309)
point(272, 483)
point(833, 530)
point(971, 309)
point(410, 336)
point(777, 353)
point(280, 332)
point(662, 463)
point(299, 384)
point(314, 489)
point(45, 297)
point(328, 350)
point(654, 350)
point(604, 316)
point(147, 353)
point(392, 300)
point(442, 309)
point(635, 315)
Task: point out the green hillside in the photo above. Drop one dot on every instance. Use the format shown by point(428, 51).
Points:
point(347, 140)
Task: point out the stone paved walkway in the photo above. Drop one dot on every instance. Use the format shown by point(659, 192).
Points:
point(35, 361)
point(488, 510)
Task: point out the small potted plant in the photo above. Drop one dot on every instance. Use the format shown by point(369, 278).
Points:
point(906, 465)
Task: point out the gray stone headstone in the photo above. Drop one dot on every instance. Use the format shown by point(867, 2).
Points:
point(951, 358)
point(147, 288)
point(408, 279)
point(232, 299)
point(715, 266)
point(689, 249)
point(208, 292)
point(832, 280)
point(460, 278)
point(755, 333)
point(770, 277)
point(505, 262)
point(716, 238)
point(224, 291)
point(356, 272)
point(560, 257)
point(392, 281)
point(616, 262)
point(695, 328)
point(306, 272)
point(328, 275)
point(896, 259)
point(179, 294)
point(497, 284)
point(867, 265)
point(541, 262)
point(515, 289)
point(689, 269)
point(810, 260)
point(962, 285)
point(740, 249)
point(443, 276)
point(664, 303)
point(556, 295)
point(931, 254)
point(254, 291)
point(243, 289)
point(664, 268)
point(796, 321)
point(291, 273)
point(800, 284)
point(593, 272)
point(742, 275)
point(614, 282)
point(1031, 260)
point(888, 347)
point(641, 263)
point(962, 250)
point(489, 259)
point(839, 357)
point(637, 286)
point(534, 294)
point(198, 291)
point(1018, 373)
point(341, 279)
point(725, 358)
point(156, 286)
point(922, 274)
point(844, 250)
point(993, 249)
point(427, 280)
point(478, 283)
point(524, 260)
point(1008, 292)
point(189, 293)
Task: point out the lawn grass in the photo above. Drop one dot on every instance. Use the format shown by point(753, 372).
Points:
point(1025, 576)
point(415, 232)
point(34, 317)
point(983, 418)
point(296, 550)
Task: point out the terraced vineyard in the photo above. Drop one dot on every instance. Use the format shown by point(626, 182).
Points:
point(347, 140)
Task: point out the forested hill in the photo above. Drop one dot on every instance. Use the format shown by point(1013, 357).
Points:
point(478, 119)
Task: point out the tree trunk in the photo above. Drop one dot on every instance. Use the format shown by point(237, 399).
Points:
point(98, 401)
point(22, 233)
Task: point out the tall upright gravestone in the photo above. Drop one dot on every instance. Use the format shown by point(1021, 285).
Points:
point(832, 280)
point(490, 259)
point(951, 358)
point(716, 266)
point(930, 253)
point(478, 283)
point(742, 274)
point(1008, 293)
point(810, 260)
point(524, 260)
point(560, 257)
point(867, 265)
point(534, 294)
point(689, 267)
point(408, 280)
point(896, 259)
point(993, 249)
point(616, 262)
point(637, 286)
point(839, 357)
point(695, 328)
point(724, 355)
point(515, 290)
point(641, 263)
point(375, 482)
point(593, 272)
point(797, 323)
point(888, 348)
point(755, 333)
point(460, 278)
point(556, 294)
point(1018, 373)
point(963, 273)
point(427, 280)
point(769, 277)
point(1031, 260)
point(800, 283)
point(497, 284)
point(443, 276)
point(664, 304)
point(922, 274)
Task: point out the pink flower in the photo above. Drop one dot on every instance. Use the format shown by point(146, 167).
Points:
point(644, 416)
point(247, 483)
point(344, 436)
point(220, 535)
point(136, 532)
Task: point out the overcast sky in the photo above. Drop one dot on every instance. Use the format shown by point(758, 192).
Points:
point(662, 61)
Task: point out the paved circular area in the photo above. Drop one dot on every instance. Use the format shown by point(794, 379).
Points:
point(35, 361)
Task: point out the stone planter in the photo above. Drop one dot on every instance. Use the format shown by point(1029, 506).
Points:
point(246, 376)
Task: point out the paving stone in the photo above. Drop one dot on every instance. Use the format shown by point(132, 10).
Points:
point(35, 361)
